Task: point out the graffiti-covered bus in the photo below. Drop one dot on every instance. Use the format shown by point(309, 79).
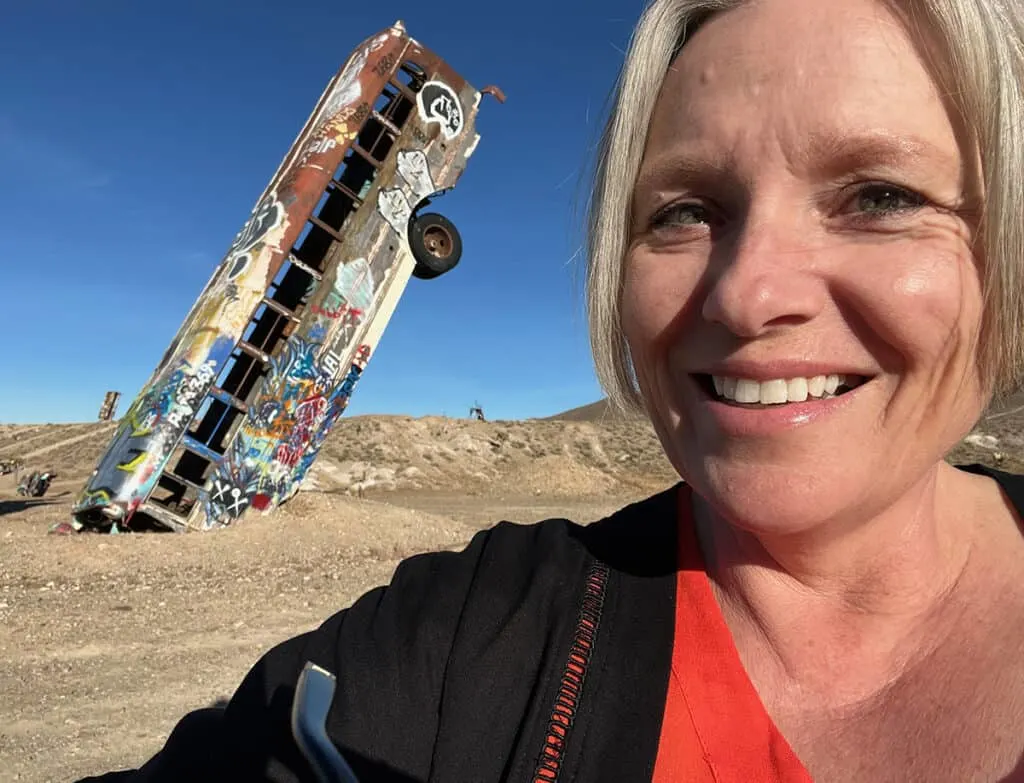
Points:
point(265, 362)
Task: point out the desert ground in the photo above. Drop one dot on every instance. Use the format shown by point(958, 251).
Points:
point(105, 641)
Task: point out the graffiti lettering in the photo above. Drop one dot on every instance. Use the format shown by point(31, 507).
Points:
point(341, 128)
point(320, 146)
point(342, 340)
point(438, 103)
point(308, 415)
point(385, 64)
point(188, 393)
point(328, 312)
point(361, 113)
point(287, 455)
point(331, 363)
point(351, 314)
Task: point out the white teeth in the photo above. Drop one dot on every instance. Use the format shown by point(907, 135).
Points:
point(747, 391)
point(796, 390)
point(780, 391)
point(774, 392)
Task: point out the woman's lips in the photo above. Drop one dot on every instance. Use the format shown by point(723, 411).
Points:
point(739, 419)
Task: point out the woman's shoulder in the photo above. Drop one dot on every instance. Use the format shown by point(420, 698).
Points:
point(638, 538)
point(1012, 484)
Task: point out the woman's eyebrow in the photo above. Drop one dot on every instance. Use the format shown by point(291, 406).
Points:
point(679, 167)
point(826, 155)
point(831, 154)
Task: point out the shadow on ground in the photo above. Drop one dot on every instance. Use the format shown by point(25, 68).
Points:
point(14, 506)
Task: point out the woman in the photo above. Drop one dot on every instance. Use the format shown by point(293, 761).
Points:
point(805, 255)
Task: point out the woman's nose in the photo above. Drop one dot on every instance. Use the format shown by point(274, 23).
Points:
point(766, 279)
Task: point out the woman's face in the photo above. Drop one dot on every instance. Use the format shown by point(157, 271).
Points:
point(801, 301)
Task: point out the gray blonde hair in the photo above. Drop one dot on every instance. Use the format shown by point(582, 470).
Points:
point(982, 43)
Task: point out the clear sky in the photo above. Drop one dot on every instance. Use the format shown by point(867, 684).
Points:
point(136, 135)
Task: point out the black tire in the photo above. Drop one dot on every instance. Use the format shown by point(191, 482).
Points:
point(421, 272)
point(436, 245)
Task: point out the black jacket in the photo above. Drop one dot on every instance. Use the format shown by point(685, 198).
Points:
point(539, 653)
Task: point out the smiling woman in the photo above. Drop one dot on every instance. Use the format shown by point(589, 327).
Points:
point(806, 268)
point(813, 288)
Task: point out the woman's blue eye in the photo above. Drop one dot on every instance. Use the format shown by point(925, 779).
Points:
point(885, 199)
point(682, 215)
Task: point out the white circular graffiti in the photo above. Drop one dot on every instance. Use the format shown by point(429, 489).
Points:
point(437, 102)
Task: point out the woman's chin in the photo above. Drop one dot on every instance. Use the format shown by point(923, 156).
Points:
point(776, 500)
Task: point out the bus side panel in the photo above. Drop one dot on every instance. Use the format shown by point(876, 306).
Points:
point(158, 418)
point(313, 378)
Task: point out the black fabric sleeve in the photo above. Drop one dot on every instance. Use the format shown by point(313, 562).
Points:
point(389, 652)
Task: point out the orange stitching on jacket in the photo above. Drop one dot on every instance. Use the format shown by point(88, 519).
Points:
point(563, 714)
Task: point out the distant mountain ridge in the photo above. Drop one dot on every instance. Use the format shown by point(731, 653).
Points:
point(598, 411)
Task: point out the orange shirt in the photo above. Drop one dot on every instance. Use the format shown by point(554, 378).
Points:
point(715, 729)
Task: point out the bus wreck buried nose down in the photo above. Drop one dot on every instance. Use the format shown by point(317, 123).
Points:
point(241, 402)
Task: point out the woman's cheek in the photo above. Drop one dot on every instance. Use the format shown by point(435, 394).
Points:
point(655, 296)
point(933, 305)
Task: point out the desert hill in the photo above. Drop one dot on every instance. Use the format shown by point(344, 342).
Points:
point(587, 450)
point(599, 411)
point(560, 457)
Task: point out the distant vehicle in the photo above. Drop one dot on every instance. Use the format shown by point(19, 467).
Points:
point(109, 405)
point(266, 361)
point(35, 484)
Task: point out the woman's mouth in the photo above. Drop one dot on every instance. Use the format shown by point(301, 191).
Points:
point(748, 393)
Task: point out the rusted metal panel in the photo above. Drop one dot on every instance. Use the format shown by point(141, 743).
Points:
point(326, 340)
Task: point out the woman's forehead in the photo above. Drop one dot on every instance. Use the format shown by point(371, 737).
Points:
point(801, 75)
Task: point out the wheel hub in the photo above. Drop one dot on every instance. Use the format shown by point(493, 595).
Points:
point(438, 242)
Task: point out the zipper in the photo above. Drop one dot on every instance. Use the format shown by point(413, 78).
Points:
point(570, 688)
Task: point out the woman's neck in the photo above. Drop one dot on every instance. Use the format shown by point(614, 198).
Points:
point(847, 590)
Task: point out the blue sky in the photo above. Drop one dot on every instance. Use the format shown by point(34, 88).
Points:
point(135, 137)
